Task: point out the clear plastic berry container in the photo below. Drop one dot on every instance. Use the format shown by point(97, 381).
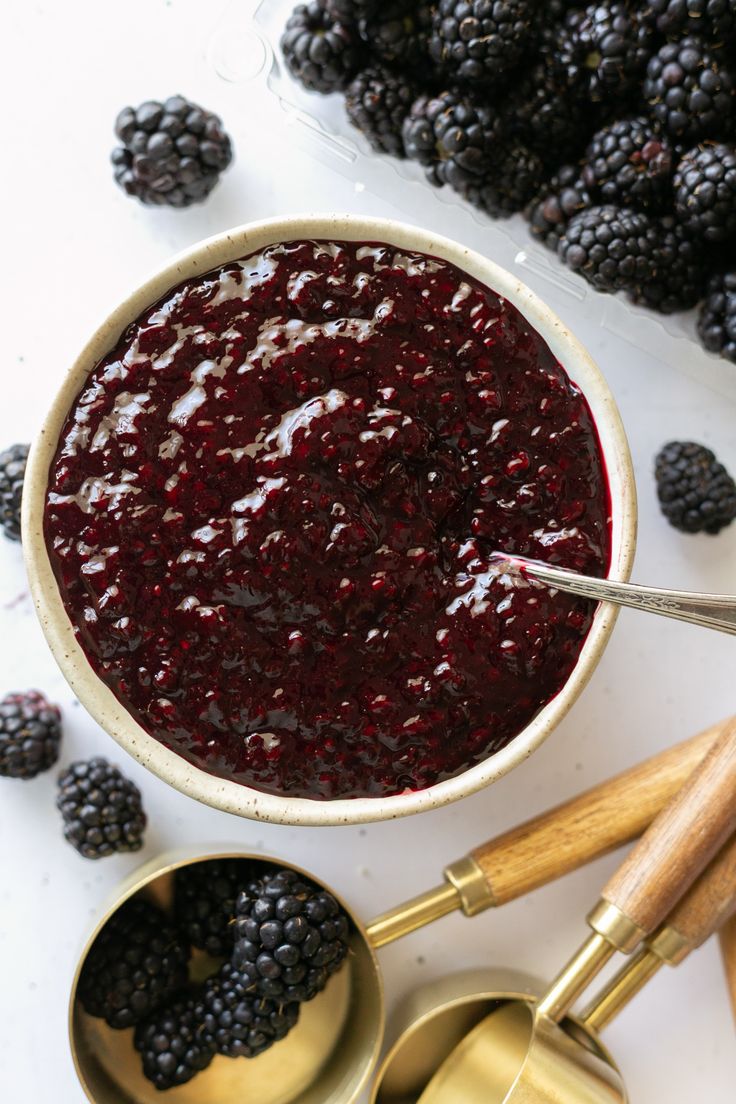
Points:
point(243, 51)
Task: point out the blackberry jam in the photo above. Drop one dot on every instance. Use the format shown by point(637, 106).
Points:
point(273, 506)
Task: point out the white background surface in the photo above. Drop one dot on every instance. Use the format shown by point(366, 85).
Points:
point(73, 245)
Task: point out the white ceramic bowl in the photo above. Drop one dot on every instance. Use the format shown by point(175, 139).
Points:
point(100, 701)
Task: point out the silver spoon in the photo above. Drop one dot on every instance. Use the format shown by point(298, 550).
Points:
point(714, 611)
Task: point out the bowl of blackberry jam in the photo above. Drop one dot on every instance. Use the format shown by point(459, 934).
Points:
point(259, 520)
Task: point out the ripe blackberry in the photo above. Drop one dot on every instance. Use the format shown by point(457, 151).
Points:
point(290, 936)
point(173, 1045)
point(481, 41)
point(136, 964)
point(628, 163)
point(322, 53)
point(398, 33)
point(612, 247)
point(509, 186)
point(378, 101)
point(705, 191)
point(12, 473)
point(681, 271)
point(696, 493)
point(690, 91)
point(454, 136)
point(172, 153)
point(204, 902)
point(711, 19)
point(717, 321)
point(550, 110)
point(613, 43)
point(555, 204)
point(101, 808)
point(236, 1021)
point(30, 733)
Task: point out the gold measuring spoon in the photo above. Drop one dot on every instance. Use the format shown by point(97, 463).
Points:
point(728, 950)
point(331, 1053)
point(713, 611)
point(520, 1054)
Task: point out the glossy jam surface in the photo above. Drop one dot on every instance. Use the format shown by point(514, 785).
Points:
point(273, 505)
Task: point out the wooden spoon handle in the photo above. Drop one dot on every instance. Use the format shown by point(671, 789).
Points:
point(683, 839)
point(590, 825)
point(706, 907)
point(728, 949)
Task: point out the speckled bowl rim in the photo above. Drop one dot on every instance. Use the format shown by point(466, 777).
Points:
point(100, 701)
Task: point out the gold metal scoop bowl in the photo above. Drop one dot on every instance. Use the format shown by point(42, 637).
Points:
point(330, 1055)
point(520, 1054)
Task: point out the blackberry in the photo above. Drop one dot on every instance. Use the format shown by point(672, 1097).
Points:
point(712, 19)
point(204, 902)
point(290, 936)
point(681, 271)
point(12, 473)
point(689, 90)
point(481, 41)
point(172, 153)
point(509, 186)
point(550, 111)
point(378, 102)
point(554, 205)
point(612, 247)
point(454, 136)
point(237, 1022)
point(612, 43)
point(398, 33)
point(136, 964)
point(322, 53)
point(705, 192)
point(628, 163)
point(173, 1045)
point(717, 321)
point(696, 493)
point(102, 809)
point(30, 733)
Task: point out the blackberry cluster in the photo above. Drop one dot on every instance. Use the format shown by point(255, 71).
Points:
point(136, 964)
point(690, 90)
point(204, 902)
point(611, 125)
point(30, 734)
point(557, 201)
point(696, 493)
point(717, 321)
point(705, 192)
point(12, 473)
point(378, 102)
point(171, 154)
point(481, 41)
point(101, 809)
point(629, 163)
point(239, 1023)
point(614, 248)
point(319, 50)
point(281, 938)
point(290, 937)
point(173, 1044)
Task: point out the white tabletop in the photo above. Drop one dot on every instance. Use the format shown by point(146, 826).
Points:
point(72, 246)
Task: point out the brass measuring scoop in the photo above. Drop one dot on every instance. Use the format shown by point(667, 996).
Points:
point(520, 1054)
point(329, 1056)
point(728, 950)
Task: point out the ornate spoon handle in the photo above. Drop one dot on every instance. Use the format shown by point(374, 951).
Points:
point(714, 611)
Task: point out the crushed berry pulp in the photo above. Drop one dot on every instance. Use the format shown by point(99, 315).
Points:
point(272, 511)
